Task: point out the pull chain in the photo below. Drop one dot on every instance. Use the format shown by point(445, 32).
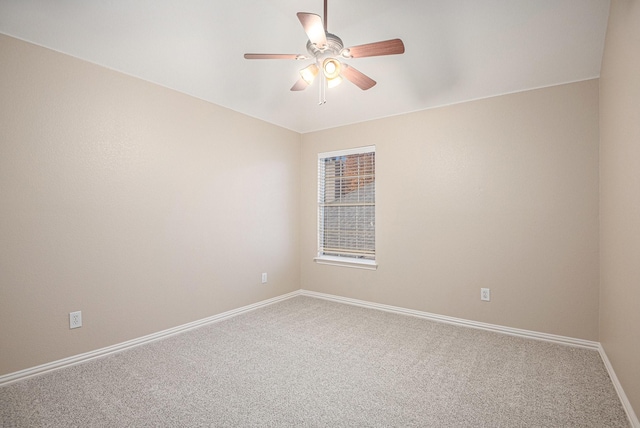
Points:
point(322, 96)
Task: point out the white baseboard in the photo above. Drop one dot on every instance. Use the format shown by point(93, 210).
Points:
point(459, 321)
point(563, 340)
point(635, 423)
point(77, 359)
point(81, 358)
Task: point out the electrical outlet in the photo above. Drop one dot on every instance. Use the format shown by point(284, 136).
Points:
point(264, 277)
point(75, 319)
point(485, 294)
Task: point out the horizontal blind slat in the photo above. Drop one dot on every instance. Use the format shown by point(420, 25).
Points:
point(338, 204)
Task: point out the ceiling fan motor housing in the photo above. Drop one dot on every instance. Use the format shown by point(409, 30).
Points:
point(333, 48)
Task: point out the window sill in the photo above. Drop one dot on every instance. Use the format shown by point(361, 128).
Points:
point(345, 262)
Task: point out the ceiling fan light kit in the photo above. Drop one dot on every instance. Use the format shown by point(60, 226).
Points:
point(309, 73)
point(325, 48)
point(331, 68)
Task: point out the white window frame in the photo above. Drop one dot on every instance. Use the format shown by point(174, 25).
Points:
point(347, 261)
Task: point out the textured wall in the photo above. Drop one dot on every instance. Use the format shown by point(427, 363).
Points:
point(147, 209)
point(620, 196)
point(499, 193)
point(141, 207)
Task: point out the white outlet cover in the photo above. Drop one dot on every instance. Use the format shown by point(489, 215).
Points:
point(485, 294)
point(264, 278)
point(75, 319)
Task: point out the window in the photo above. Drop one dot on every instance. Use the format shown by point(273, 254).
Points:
point(347, 207)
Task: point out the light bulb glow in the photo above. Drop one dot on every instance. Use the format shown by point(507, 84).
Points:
point(309, 73)
point(331, 68)
point(332, 83)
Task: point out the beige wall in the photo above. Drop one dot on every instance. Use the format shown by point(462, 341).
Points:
point(499, 193)
point(142, 207)
point(620, 196)
point(147, 209)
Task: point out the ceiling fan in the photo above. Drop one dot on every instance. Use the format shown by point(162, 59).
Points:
point(327, 50)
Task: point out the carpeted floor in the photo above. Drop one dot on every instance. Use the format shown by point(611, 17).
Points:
point(314, 363)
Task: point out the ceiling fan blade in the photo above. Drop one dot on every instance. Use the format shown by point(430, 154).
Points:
point(359, 79)
point(274, 56)
point(387, 47)
point(314, 28)
point(300, 85)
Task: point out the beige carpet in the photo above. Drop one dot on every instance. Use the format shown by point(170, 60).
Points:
point(314, 363)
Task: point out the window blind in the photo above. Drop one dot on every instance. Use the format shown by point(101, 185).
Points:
point(346, 204)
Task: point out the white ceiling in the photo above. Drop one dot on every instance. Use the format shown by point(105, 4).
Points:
point(456, 50)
